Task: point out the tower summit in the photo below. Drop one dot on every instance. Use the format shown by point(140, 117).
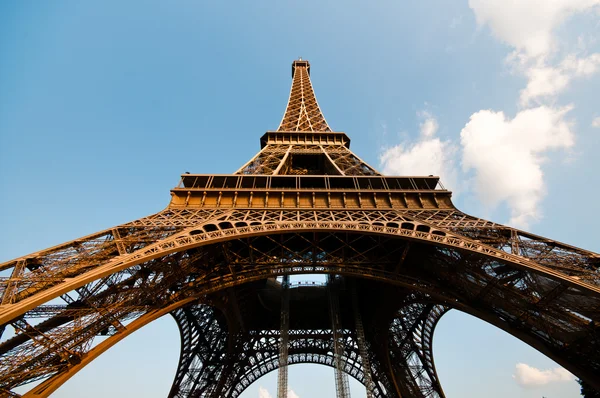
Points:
point(396, 252)
point(302, 112)
point(304, 143)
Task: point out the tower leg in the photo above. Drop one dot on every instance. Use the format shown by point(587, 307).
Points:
point(282, 381)
point(410, 350)
point(362, 345)
point(341, 378)
point(203, 345)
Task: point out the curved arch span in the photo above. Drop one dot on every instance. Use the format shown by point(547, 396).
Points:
point(193, 238)
point(50, 385)
point(510, 313)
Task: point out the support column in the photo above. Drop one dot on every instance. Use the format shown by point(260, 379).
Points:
point(411, 350)
point(203, 346)
point(362, 345)
point(282, 380)
point(342, 387)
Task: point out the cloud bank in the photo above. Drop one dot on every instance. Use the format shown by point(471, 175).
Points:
point(546, 82)
point(528, 376)
point(503, 156)
point(506, 156)
point(528, 25)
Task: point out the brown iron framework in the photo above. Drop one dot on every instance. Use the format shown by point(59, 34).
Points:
point(400, 253)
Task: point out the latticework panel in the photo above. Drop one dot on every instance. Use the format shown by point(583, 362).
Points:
point(259, 356)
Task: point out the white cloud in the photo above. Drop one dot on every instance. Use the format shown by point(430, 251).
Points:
point(546, 81)
point(527, 25)
point(543, 81)
point(263, 392)
point(596, 122)
point(424, 157)
point(528, 376)
point(429, 125)
point(582, 66)
point(428, 155)
point(506, 156)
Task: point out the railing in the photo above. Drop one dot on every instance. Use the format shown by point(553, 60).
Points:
point(295, 182)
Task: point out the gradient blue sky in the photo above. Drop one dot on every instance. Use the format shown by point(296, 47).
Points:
point(104, 104)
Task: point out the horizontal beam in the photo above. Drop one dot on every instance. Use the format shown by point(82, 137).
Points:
point(241, 199)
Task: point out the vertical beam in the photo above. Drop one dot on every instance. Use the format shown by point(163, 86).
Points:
point(362, 347)
point(118, 241)
point(282, 380)
point(514, 242)
point(342, 387)
point(331, 160)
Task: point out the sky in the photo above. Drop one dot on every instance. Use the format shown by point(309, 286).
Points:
point(104, 104)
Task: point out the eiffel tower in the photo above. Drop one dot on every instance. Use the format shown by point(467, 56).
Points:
point(396, 253)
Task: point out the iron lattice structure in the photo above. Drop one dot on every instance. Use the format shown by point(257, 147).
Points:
point(397, 252)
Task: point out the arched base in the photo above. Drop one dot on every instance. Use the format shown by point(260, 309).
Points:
point(223, 353)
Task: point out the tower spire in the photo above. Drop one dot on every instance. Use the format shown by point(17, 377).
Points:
point(302, 112)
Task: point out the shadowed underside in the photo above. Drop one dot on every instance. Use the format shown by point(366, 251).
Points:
point(397, 252)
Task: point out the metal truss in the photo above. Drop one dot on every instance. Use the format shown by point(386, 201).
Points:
point(202, 364)
point(304, 205)
point(342, 388)
point(411, 350)
point(362, 345)
point(282, 381)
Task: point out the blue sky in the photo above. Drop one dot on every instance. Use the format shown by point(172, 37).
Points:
point(104, 104)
